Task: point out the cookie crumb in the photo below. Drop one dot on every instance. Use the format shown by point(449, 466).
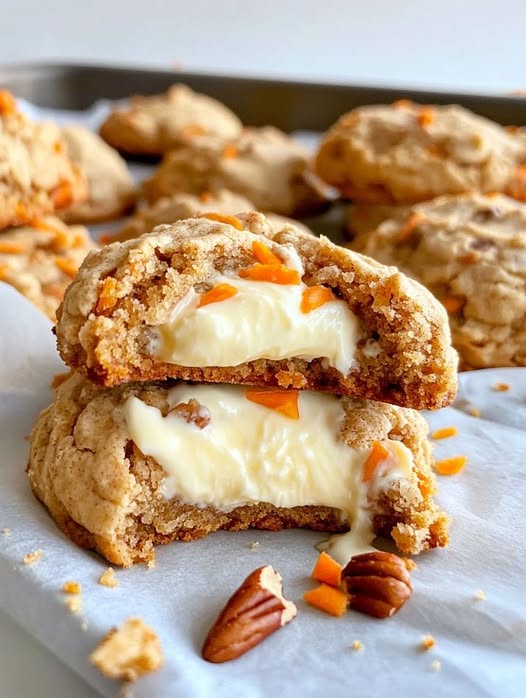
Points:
point(108, 578)
point(474, 412)
point(480, 595)
point(6, 531)
point(357, 646)
point(254, 545)
point(128, 652)
point(31, 558)
point(74, 604)
point(501, 387)
point(71, 588)
point(152, 561)
point(428, 641)
point(444, 433)
point(84, 625)
point(410, 565)
point(435, 665)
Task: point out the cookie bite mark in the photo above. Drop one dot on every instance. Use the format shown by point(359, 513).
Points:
point(309, 315)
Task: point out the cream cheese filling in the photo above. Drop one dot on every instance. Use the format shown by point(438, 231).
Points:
point(262, 320)
point(249, 453)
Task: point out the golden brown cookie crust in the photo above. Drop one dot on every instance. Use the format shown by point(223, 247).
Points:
point(40, 260)
point(404, 356)
point(37, 177)
point(470, 251)
point(105, 494)
point(156, 124)
point(110, 186)
point(405, 153)
point(264, 165)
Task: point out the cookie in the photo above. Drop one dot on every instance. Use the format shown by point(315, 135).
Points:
point(40, 260)
point(110, 186)
point(405, 153)
point(36, 175)
point(470, 251)
point(227, 299)
point(154, 125)
point(94, 467)
point(361, 219)
point(264, 165)
point(179, 206)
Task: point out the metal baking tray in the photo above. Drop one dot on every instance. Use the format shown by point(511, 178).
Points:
point(289, 105)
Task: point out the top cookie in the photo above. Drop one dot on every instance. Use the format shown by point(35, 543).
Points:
point(110, 186)
point(405, 153)
point(470, 251)
point(154, 125)
point(36, 175)
point(263, 164)
point(233, 301)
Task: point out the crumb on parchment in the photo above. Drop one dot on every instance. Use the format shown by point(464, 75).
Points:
point(74, 603)
point(128, 652)
point(357, 645)
point(480, 595)
point(428, 641)
point(6, 531)
point(31, 558)
point(435, 665)
point(108, 578)
point(71, 588)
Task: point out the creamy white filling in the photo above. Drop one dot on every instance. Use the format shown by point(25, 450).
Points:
point(249, 453)
point(262, 320)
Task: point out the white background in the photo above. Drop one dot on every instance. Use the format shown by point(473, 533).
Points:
point(472, 45)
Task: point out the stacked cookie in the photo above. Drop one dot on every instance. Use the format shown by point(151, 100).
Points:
point(230, 374)
point(468, 245)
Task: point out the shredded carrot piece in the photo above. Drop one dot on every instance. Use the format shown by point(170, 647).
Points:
point(283, 401)
point(264, 254)
point(332, 601)
point(206, 196)
point(409, 226)
point(403, 104)
point(451, 466)
point(230, 151)
point(20, 213)
point(444, 433)
point(62, 195)
point(501, 387)
point(274, 273)
point(67, 266)
point(377, 454)
point(62, 237)
point(219, 293)
point(107, 297)
point(315, 296)
point(7, 102)
point(426, 116)
point(425, 485)
point(327, 570)
point(9, 247)
point(193, 130)
point(221, 218)
point(452, 304)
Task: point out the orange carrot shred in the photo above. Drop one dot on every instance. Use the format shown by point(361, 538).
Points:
point(332, 601)
point(221, 218)
point(4, 271)
point(315, 296)
point(426, 116)
point(409, 226)
point(274, 273)
point(9, 247)
point(205, 196)
point(230, 151)
point(501, 387)
point(451, 466)
point(377, 455)
point(219, 293)
point(264, 254)
point(7, 102)
point(62, 237)
point(283, 401)
point(107, 297)
point(444, 433)
point(452, 304)
point(67, 266)
point(327, 570)
point(62, 195)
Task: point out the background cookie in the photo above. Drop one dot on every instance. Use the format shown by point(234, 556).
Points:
point(111, 191)
point(154, 125)
point(405, 153)
point(470, 251)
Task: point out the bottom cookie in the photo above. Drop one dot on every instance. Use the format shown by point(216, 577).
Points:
point(124, 469)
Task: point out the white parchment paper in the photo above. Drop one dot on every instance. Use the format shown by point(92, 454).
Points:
point(481, 645)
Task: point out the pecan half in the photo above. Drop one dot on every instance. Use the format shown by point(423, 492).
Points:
point(192, 411)
point(252, 613)
point(377, 584)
